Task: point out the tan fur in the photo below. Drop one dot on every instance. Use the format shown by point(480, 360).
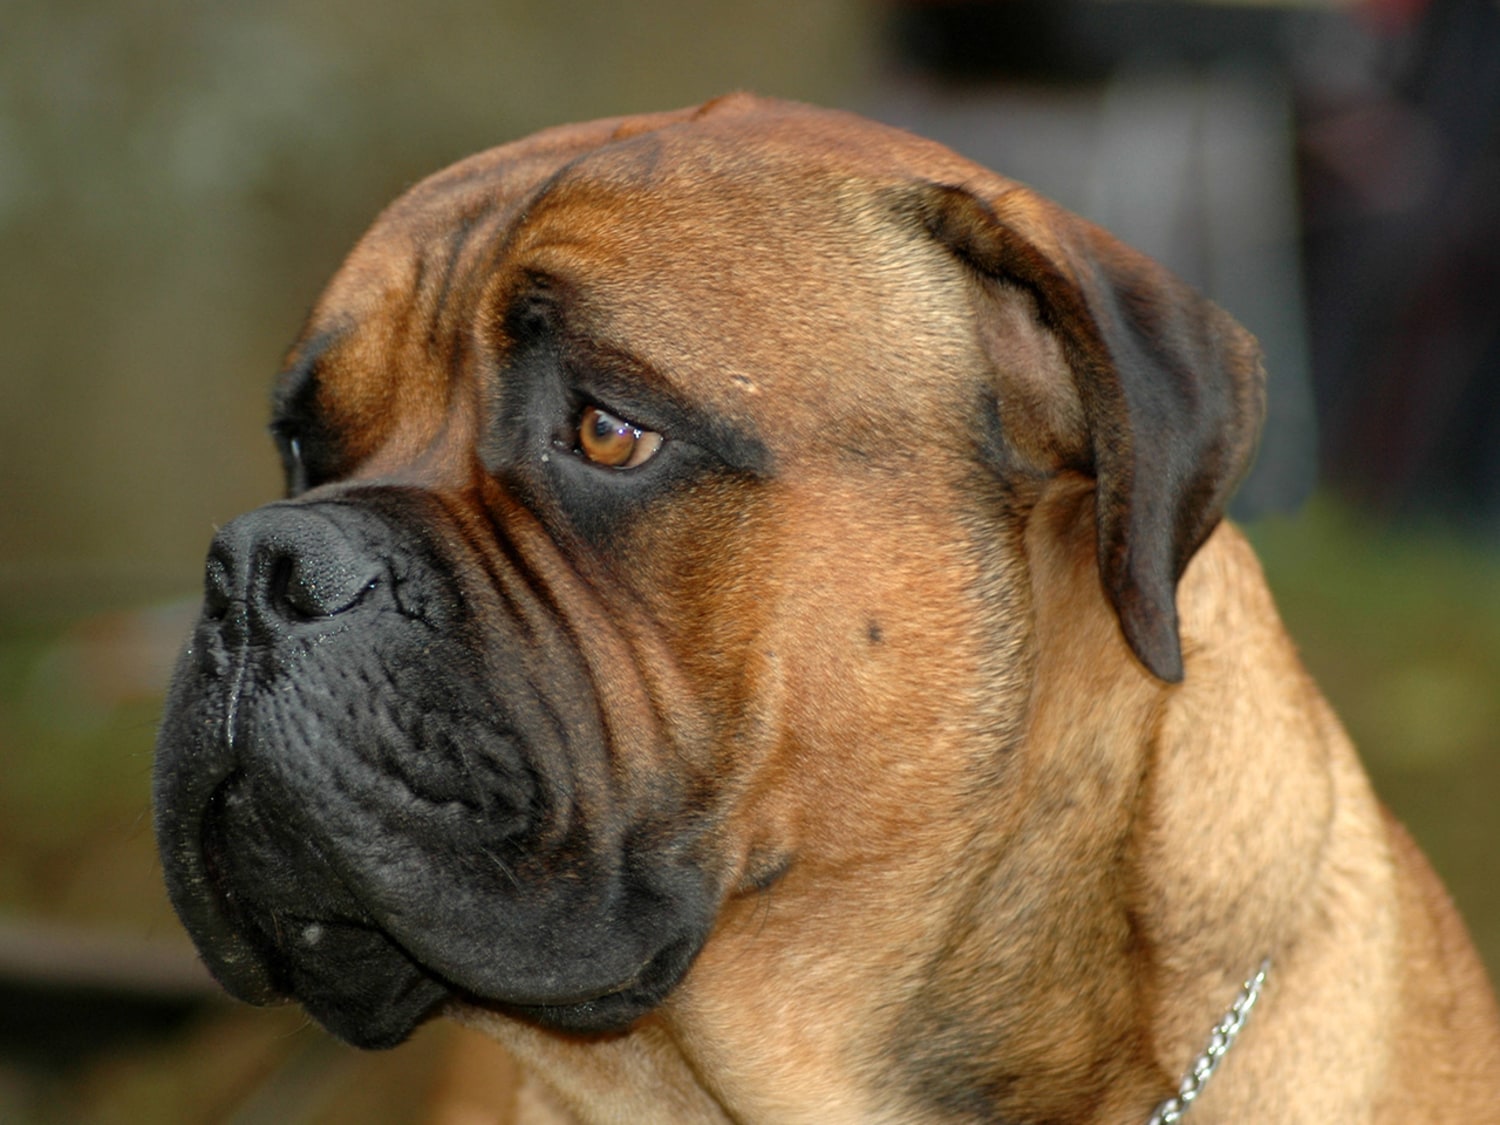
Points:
point(983, 864)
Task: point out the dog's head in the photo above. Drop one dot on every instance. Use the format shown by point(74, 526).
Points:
point(647, 481)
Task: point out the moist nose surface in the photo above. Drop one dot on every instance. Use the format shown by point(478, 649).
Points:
point(285, 568)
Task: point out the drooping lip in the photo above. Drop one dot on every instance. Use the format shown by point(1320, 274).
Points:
point(231, 937)
point(232, 926)
point(249, 973)
point(183, 803)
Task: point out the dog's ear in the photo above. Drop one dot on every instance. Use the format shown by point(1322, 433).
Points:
point(1171, 389)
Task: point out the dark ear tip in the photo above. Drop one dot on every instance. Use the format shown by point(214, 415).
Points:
point(1166, 667)
point(1156, 647)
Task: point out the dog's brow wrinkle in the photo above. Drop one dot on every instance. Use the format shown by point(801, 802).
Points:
point(452, 250)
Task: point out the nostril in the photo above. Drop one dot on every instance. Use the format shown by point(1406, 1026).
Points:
point(289, 593)
point(307, 587)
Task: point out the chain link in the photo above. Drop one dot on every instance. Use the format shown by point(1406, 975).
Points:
point(1170, 1111)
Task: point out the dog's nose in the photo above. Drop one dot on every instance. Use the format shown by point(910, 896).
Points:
point(287, 567)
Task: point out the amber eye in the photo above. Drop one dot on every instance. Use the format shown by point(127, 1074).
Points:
point(607, 440)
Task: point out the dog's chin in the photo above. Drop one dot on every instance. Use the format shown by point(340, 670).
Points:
point(375, 1014)
point(602, 1016)
point(365, 990)
point(613, 1011)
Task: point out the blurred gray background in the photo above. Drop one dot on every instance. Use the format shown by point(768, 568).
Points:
point(177, 180)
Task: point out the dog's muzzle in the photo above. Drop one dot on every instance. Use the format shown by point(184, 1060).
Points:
point(365, 802)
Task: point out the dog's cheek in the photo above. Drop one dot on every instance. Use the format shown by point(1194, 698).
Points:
point(874, 655)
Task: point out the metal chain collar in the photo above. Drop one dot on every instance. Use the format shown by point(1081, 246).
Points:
point(1170, 1111)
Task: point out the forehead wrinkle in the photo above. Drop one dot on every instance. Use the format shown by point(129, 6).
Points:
point(732, 269)
point(831, 330)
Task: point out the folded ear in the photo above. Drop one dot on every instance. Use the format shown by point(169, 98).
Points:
point(1171, 388)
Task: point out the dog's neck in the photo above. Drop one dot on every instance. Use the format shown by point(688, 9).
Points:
point(1223, 1037)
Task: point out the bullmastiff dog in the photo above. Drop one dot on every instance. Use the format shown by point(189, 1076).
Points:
point(751, 627)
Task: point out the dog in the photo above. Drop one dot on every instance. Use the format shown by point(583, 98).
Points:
point(752, 628)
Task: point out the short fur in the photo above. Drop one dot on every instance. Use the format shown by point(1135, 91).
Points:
point(908, 741)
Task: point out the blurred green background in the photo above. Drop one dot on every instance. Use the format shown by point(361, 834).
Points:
point(176, 182)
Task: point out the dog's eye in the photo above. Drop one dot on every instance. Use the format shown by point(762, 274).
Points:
point(607, 440)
